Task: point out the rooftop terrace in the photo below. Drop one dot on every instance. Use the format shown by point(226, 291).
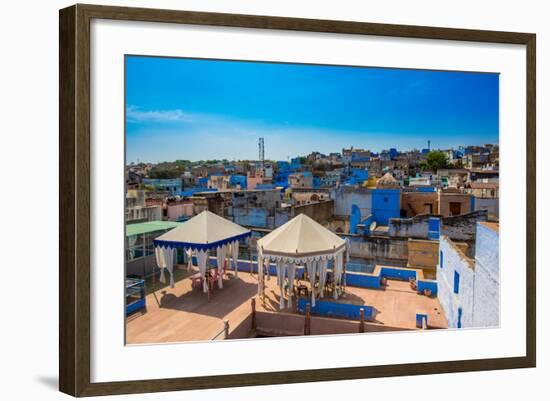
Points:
point(183, 314)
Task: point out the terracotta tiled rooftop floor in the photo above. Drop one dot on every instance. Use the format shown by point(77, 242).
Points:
point(182, 314)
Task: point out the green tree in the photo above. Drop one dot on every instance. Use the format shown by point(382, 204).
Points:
point(436, 160)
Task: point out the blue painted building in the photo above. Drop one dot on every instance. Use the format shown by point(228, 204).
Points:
point(316, 182)
point(360, 174)
point(295, 164)
point(236, 179)
point(283, 166)
point(172, 185)
point(386, 204)
point(192, 191)
point(202, 182)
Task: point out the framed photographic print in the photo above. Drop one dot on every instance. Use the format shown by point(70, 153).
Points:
point(250, 200)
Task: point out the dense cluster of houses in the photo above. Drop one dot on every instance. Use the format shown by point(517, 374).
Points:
point(385, 185)
point(392, 207)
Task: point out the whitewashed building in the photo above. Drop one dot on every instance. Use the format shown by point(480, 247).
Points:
point(468, 287)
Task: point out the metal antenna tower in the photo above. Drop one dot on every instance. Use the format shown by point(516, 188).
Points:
point(261, 154)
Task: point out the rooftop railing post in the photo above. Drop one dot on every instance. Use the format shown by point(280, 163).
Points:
point(362, 320)
point(253, 304)
point(250, 254)
point(226, 328)
point(307, 324)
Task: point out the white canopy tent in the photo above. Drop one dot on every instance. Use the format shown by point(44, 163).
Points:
point(198, 236)
point(301, 241)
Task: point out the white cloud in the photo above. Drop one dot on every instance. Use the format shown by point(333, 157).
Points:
point(135, 114)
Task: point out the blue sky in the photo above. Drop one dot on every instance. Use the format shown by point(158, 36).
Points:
point(209, 109)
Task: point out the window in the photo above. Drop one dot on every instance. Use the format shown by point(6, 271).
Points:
point(441, 259)
point(456, 282)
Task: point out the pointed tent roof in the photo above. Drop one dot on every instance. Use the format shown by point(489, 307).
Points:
point(206, 230)
point(301, 236)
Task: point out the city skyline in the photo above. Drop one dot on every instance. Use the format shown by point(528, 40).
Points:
point(204, 109)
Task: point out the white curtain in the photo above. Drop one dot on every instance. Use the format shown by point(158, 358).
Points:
point(311, 270)
point(202, 258)
point(189, 253)
point(322, 275)
point(131, 243)
point(281, 282)
point(348, 245)
point(267, 265)
point(337, 272)
point(291, 276)
point(235, 256)
point(159, 254)
point(168, 254)
point(220, 259)
point(260, 272)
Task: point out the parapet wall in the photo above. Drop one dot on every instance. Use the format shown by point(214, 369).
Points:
point(380, 250)
point(423, 254)
point(457, 228)
point(320, 211)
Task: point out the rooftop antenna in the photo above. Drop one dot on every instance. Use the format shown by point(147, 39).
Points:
point(261, 154)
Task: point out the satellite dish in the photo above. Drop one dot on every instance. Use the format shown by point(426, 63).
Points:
point(372, 226)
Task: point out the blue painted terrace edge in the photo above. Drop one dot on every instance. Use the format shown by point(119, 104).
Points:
point(335, 309)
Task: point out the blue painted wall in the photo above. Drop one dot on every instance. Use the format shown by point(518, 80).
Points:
point(386, 204)
point(434, 224)
point(360, 174)
point(203, 182)
point(235, 180)
point(251, 216)
point(335, 309)
point(362, 280)
point(295, 164)
point(427, 285)
point(397, 274)
point(419, 318)
point(354, 219)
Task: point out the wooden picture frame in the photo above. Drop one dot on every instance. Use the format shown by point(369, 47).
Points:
point(75, 207)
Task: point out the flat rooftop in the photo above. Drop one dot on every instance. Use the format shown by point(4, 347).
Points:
point(183, 314)
point(490, 225)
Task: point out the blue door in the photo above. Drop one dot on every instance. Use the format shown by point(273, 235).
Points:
point(459, 323)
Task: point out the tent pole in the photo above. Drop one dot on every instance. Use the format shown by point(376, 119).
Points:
point(154, 285)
